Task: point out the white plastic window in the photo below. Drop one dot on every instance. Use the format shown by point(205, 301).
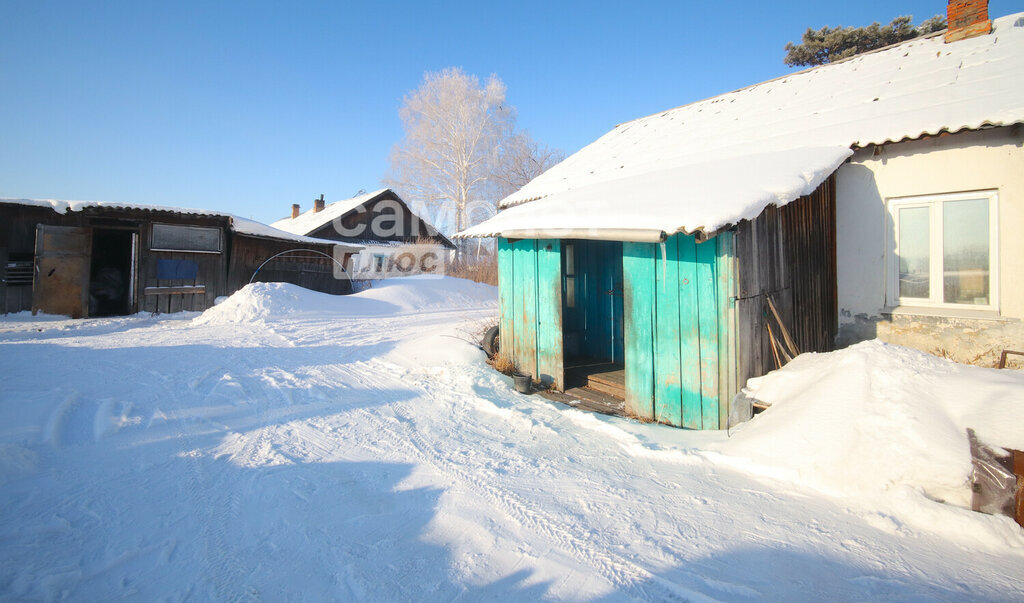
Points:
point(945, 251)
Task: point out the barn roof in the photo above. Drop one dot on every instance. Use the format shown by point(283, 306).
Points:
point(311, 221)
point(238, 224)
point(712, 163)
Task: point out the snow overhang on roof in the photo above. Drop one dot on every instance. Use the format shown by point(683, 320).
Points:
point(237, 224)
point(720, 146)
point(693, 198)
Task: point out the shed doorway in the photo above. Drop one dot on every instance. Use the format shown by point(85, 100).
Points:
point(112, 272)
point(592, 326)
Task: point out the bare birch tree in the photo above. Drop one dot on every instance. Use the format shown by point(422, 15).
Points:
point(521, 159)
point(460, 148)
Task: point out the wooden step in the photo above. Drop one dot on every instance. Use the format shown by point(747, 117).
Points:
point(605, 387)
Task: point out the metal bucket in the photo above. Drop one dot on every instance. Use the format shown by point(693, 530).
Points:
point(523, 382)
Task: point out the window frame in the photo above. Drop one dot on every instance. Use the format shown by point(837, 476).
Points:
point(936, 276)
point(153, 236)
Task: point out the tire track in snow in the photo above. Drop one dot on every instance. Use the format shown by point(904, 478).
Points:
point(622, 573)
point(218, 499)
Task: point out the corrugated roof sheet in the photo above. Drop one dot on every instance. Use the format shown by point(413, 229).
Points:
point(238, 224)
point(916, 88)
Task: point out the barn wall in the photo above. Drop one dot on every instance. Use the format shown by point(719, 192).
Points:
point(786, 255)
point(211, 270)
point(967, 161)
point(530, 298)
point(679, 330)
point(17, 246)
point(310, 270)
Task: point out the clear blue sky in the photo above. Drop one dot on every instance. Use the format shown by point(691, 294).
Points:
point(248, 107)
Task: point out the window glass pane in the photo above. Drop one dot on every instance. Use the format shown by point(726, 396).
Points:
point(570, 292)
point(965, 246)
point(913, 255)
point(185, 238)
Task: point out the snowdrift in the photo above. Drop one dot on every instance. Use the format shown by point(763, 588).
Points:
point(259, 302)
point(875, 417)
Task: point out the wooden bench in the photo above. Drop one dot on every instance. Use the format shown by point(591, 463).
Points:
point(175, 290)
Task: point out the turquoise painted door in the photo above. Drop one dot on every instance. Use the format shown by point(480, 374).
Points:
point(680, 343)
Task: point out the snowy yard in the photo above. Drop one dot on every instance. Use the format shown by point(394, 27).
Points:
point(288, 445)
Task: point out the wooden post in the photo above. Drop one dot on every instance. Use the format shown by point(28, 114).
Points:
point(638, 266)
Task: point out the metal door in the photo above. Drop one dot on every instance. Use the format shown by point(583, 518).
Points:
point(60, 282)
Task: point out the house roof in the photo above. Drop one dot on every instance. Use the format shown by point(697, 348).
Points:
point(712, 163)
point(311, 221)
point(237, 224)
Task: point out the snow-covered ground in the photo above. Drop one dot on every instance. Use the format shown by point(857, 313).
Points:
point(288, 445)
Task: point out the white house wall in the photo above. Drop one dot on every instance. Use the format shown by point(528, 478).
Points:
point(969, 161)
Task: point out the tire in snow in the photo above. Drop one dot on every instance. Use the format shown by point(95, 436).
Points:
point(490, 342)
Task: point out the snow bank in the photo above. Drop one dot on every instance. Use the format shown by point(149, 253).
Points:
point(419, 293)
point(874, 417)
point(262, 301)
point(259, 302)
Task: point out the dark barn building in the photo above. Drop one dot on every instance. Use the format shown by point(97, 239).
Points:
point(103, 259)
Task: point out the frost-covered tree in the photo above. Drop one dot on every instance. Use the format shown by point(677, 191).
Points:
point(461, 150)
point(520, 160)
point(830, 44)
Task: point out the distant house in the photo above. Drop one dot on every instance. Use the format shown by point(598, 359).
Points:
point(383, 225)
point(879, 196)
point(102, 259)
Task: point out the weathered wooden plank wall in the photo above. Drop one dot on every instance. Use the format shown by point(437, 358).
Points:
point(678, 323)
point(506, 293)
point(638, 266)
point(550, 368)
point(524, 256)
point(689, 317)
point(211, 274)
point(708, 318)
point(787, 254)
point(530, 281)
point(310, 270)
point(668, 335)
point(809, 231)
point(727, 385)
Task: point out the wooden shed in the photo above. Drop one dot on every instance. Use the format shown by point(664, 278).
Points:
point(681, 323)
point(99, 259)
point(876, 196)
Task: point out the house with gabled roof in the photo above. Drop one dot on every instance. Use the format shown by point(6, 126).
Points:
point(383, 225)
point(685, 252)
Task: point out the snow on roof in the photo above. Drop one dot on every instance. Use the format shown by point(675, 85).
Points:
point(724, 144)
point(310, 221)
point(238, 224)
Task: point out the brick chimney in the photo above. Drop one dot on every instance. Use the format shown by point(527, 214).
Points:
point(295, 210)
point(967, 19)
point(318, 204)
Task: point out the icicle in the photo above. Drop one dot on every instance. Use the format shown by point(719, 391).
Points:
point(664, 262)
point(479, 242)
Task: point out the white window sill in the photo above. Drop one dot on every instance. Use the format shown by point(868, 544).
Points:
point(941, 312)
